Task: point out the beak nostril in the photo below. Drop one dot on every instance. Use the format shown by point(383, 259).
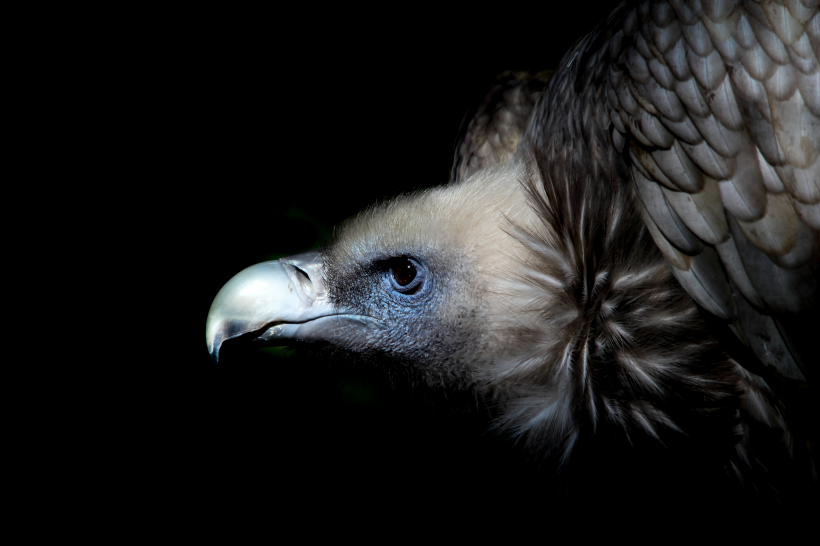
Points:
point(304, 280)
point(304, 271)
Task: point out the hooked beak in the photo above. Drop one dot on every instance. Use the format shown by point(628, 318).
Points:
point(284, 299)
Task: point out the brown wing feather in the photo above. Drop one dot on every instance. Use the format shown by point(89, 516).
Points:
point(495, 129)
point(718, 102)
point(644, 119)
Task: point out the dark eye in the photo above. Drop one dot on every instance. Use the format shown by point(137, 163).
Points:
point(404, 273)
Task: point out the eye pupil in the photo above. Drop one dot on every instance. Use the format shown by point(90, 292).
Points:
point(404, 273)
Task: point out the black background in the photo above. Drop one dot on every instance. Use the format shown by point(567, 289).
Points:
point(189, 143)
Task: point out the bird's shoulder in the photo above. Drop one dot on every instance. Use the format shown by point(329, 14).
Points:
point(716, 110)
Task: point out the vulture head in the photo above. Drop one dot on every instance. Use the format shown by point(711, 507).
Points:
point(597, 231)
point(424, 278)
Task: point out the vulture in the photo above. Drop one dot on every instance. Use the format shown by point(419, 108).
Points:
point(623, 266)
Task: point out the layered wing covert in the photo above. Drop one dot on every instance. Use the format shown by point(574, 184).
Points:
point(717, 104)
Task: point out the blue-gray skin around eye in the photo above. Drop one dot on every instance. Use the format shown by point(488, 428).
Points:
point(432, 325)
